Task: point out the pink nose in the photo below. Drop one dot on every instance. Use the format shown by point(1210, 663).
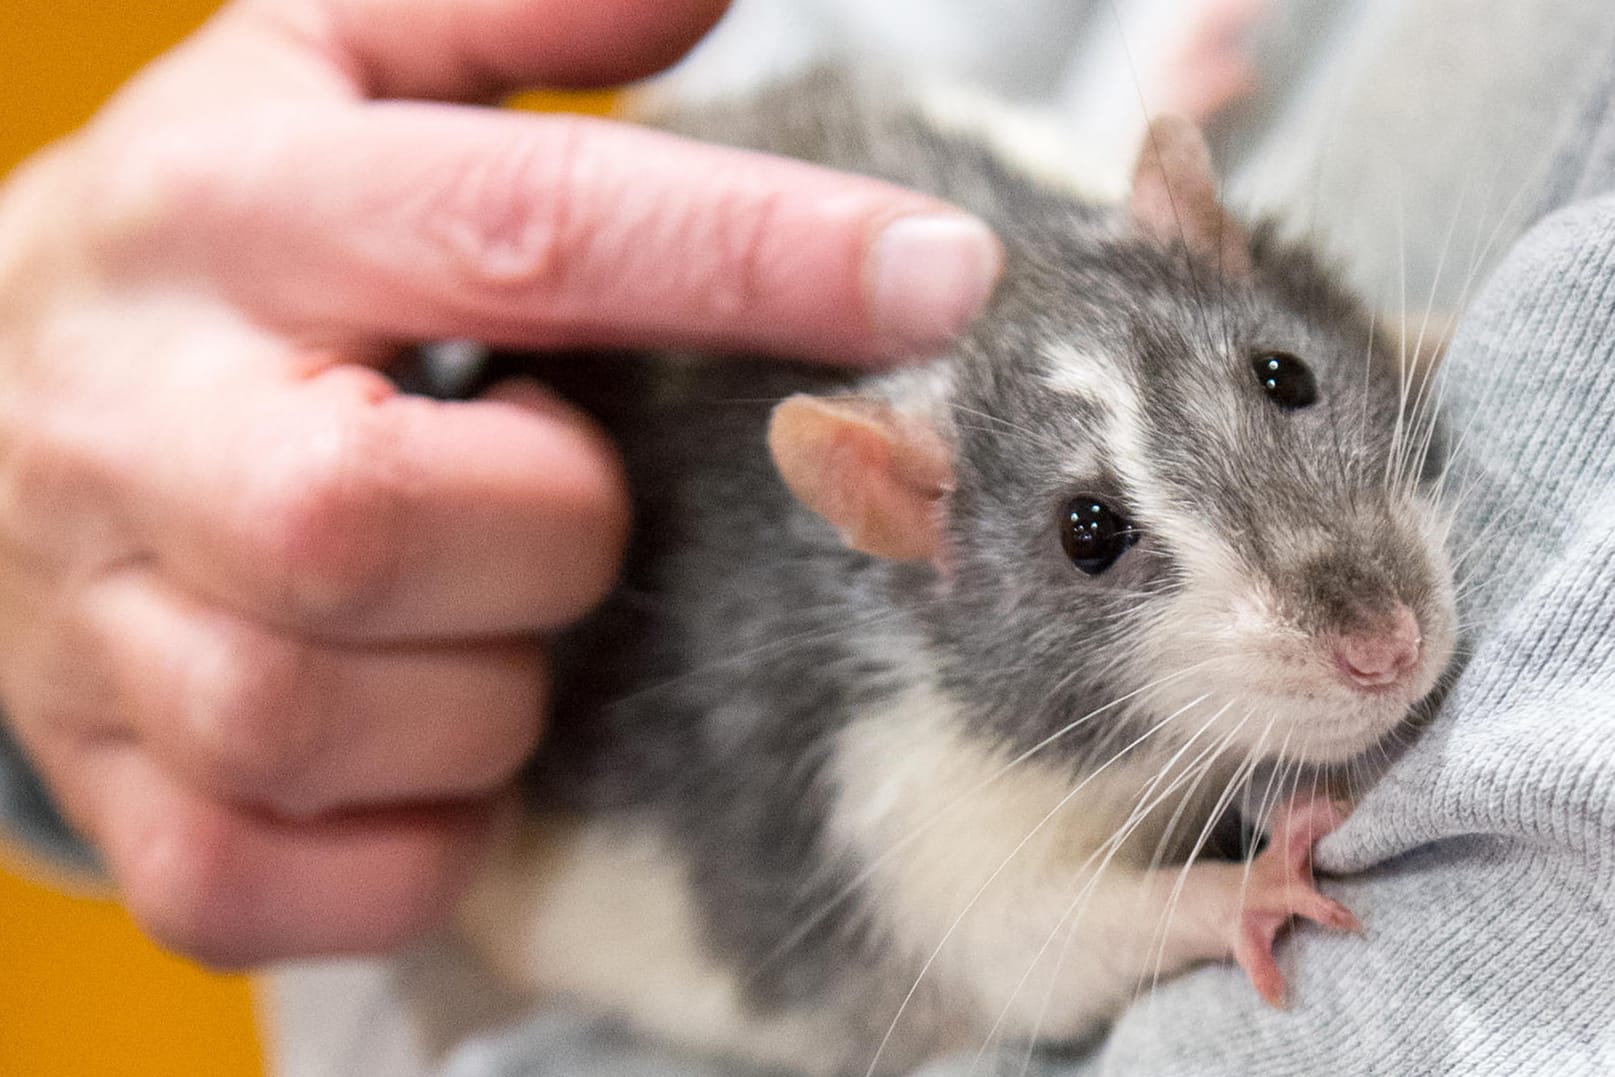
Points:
point(1383, 654)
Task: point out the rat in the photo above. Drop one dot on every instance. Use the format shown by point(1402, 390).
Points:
point(925, 694)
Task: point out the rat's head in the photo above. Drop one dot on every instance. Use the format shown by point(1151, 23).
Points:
point(1169, 471)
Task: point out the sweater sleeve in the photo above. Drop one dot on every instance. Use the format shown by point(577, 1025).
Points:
point(27, 814)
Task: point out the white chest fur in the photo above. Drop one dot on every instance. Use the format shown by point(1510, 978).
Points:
point(602, 913)
point(1014, 882)
point(1010, 888)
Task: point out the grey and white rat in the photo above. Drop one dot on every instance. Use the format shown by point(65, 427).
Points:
point(921, 691)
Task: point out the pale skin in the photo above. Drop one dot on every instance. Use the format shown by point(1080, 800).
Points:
point(270, 631)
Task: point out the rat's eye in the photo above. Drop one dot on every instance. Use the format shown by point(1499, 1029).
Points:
point(1285, 379)
point(1094, 534)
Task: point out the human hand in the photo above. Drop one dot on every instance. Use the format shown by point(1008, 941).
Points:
point(267, 626)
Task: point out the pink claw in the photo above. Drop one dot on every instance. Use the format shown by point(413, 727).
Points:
point(1280, 888)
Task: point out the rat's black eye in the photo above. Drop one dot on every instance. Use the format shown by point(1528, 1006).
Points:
point(1285, 379)
point(1094, 534)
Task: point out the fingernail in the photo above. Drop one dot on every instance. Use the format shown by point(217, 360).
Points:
point(931, 275)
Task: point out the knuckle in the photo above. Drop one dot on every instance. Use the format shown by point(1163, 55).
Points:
point(146, 176)
point(143, 182)
point(178, 881)
point(38, 472)
point(329, 529)
point(508, 222)
point(49, 478)
point(255, 724)
point(563, 217)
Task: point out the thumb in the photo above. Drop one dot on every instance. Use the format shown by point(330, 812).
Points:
point(477, 49)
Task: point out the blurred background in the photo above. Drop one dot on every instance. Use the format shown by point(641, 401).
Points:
point(82, 993)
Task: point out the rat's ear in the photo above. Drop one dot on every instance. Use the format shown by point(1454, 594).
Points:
point(878, 475)
point(1174, 196)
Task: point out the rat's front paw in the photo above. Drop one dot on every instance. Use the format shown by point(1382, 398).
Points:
point(1278, 886)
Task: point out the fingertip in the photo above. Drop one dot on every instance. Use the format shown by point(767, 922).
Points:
point(532, 396)
point(930, 276)
point(508, 810)
point(585, 483)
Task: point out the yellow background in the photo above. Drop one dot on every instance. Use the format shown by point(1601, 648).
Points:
point(82, 994)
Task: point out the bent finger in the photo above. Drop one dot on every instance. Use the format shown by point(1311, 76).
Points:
point(332, 505)
point(235, 887)
point(268, 720)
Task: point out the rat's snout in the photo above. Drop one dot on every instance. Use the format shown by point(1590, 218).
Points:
point(1382, 652)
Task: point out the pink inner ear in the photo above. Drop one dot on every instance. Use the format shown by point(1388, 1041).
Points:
point(1174, 196)
point(877, 475)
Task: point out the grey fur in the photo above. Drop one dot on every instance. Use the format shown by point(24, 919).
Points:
point(705, 694)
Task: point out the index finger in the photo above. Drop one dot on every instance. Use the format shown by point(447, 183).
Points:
point(400, 220)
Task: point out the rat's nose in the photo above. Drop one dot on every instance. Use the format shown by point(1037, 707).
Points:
point(1382, 654)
